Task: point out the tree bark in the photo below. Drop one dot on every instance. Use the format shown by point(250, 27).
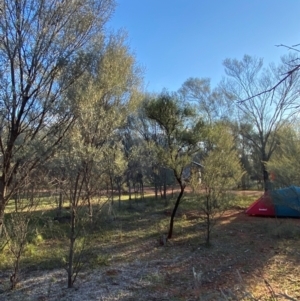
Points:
point(182, 187)
point(111, 188)
point(265, 172)
point(208, 221)
point(2, 202)
point(266, 179)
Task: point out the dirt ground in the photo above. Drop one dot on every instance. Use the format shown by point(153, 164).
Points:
point(250, 257)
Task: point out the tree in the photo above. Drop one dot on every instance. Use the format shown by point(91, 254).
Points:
point(222, 171)
point(248, 155)
point(292, 67)
point(139, 141)
point(267, 112)
point(178, 140)
point(100, 101)
point(284, 165)
point(211, 104)
point(40, 40)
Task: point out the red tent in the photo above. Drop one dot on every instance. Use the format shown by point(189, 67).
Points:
point(263, 206)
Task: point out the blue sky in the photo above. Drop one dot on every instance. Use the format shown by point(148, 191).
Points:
point(177, 39)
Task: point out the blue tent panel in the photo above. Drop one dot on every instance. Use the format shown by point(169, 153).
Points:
point(287, 201)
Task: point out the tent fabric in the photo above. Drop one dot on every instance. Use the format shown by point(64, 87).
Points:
point(283, 202)
point(263, 206)
point(287, 201)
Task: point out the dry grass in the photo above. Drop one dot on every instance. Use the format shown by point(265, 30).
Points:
point(128, 262)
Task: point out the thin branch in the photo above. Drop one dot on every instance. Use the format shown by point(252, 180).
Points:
point(287, 75)
point(273, 88)
point(289, 47)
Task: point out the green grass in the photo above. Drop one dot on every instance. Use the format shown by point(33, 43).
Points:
point(47, 240)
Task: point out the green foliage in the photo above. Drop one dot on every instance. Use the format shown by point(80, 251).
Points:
point(180, 130)
point(221, 173)
point(210, 104)
point(222, 165)
point(57, 36)
point(285, 164)
point(178, 139)
point(91, 152)
point(166, 111)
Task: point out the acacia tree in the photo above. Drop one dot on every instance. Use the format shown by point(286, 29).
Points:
point(284, 165)
point(267, 112)
point(39, 40)
point(178, 139)
point(139, 141)
point(211, 104)
point(100, 101)
point(222, 171)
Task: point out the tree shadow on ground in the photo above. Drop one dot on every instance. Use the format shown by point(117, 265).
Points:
point(252, 248)
point(245, 251)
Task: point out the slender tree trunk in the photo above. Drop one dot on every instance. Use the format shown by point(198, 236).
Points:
point(73, 199)
point(165, 184)
point(134, 190)
point(142, 189)
point(182, 187)
point(266, 179)
point(2, 203)
point(207, 229)
point(120, 193)
point(71, 248)
point(14, 277)
point(111, 189)
point(32, 196)
point(17, 199)
point(90, 207)
point(129, 190)
point(89, 198)
point(60, 201)
point(207, 221)
point(156, 189)
point(265, 173)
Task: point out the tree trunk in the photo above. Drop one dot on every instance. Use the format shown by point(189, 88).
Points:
point(207, 230)
point(142, 189)
point(2, 203)
point(208, 226)
point(129, 190)
point(60, 201)
point(17, 199)
point(120, 193)
point(155, 189)
point(165, 184)
point(89, 199)
point(14, 276)
point(111, 189)
point(134, 190)
point(90, 205)
point(182, 187)
point(265, 178)
point(71, 249)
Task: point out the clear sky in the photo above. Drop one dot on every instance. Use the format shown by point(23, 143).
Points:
point(177, 39)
